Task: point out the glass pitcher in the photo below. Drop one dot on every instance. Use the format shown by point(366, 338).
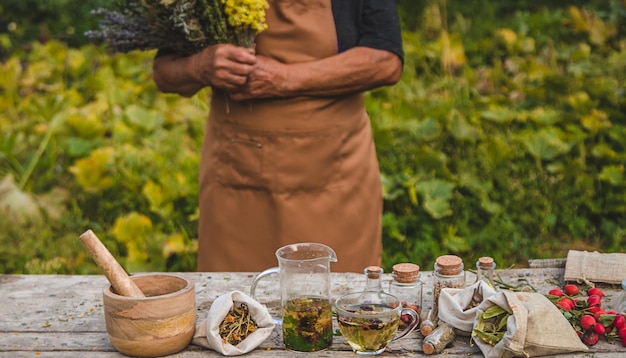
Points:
point(304, 277)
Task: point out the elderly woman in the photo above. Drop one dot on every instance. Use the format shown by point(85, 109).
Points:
point(288, 154)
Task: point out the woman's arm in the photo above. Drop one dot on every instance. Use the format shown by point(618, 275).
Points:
point(355, 70)
point(223, 66)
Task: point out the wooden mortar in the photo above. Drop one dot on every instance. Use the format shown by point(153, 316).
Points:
point(146, 315)
point(159, 324)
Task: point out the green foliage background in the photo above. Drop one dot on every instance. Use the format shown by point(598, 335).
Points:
point(505, 137)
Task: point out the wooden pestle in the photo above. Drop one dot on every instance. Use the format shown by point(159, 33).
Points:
point(121, 283)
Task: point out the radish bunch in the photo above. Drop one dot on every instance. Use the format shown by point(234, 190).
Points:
point(583, 309)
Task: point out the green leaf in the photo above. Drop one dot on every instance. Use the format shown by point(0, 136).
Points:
point(143, 118)
point(613, 174)
point(545, 144)
point(596, 121)
point(503, 321)
point(437, 194)
point(545, 116)
point(493, 311)
point(93, 172)
point(498, 115)
point(461, 129)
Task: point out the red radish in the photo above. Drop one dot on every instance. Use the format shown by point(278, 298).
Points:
point(571, 289)
point(599, 313)
point(594, 309)
point(599, 328)
point(590, 338)
point(594, 301)
point(620, 321)
point(587, 322)
point(566, 304)
point(624, 342)
point(556, 292)
point(595, 291)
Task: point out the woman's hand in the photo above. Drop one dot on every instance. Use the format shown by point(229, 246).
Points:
point(223, 66)
point(266, 80)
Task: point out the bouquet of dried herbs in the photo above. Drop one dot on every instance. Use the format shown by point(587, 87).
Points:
point(184, 26)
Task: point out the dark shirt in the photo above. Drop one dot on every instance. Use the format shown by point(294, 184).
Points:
point(369, 23)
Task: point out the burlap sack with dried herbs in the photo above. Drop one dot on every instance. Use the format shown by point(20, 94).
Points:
point(534, 328)
point(208, 331)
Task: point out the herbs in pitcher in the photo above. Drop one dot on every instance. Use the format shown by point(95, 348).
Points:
point(307, 324)
point(237, 325)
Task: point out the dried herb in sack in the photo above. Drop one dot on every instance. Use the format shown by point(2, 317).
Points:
point(491, 325)
point(237, 325)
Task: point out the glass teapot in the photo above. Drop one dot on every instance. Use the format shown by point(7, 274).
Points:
point(304, 277)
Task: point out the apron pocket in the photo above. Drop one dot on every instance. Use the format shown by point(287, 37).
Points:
point(280, 162)
point(241, 162)
point(304, 161)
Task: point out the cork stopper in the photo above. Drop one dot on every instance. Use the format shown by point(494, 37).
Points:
point(428, 348)
point(449, 265)
point(426, 330)
point(405, 272)
point(373, 272)
point(485, 262)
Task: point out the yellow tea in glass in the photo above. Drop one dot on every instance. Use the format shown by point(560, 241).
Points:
point(369, 321)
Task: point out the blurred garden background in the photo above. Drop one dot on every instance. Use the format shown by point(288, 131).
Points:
point(505, 137)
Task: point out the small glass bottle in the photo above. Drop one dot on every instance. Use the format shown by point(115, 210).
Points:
point(373, 278)
point(428, 322)
point(407, 287)
point(448, 273)
point(485, 267)
point(373, 284)
point(621, 303)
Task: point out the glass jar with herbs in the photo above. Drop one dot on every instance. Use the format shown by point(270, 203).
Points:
point(449, 273)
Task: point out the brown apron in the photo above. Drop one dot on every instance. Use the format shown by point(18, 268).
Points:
point(281, 171)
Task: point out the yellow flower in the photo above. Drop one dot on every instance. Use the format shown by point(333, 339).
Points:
point(246, 14)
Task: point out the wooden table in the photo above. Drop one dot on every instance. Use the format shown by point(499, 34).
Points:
point(62, 315)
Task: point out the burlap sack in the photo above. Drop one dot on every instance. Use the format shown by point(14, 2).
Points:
point(456, 305)
point(595, 267)
point(535, 328)
point(207, 332)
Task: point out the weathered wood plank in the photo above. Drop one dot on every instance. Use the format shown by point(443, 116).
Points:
point(543, 263)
